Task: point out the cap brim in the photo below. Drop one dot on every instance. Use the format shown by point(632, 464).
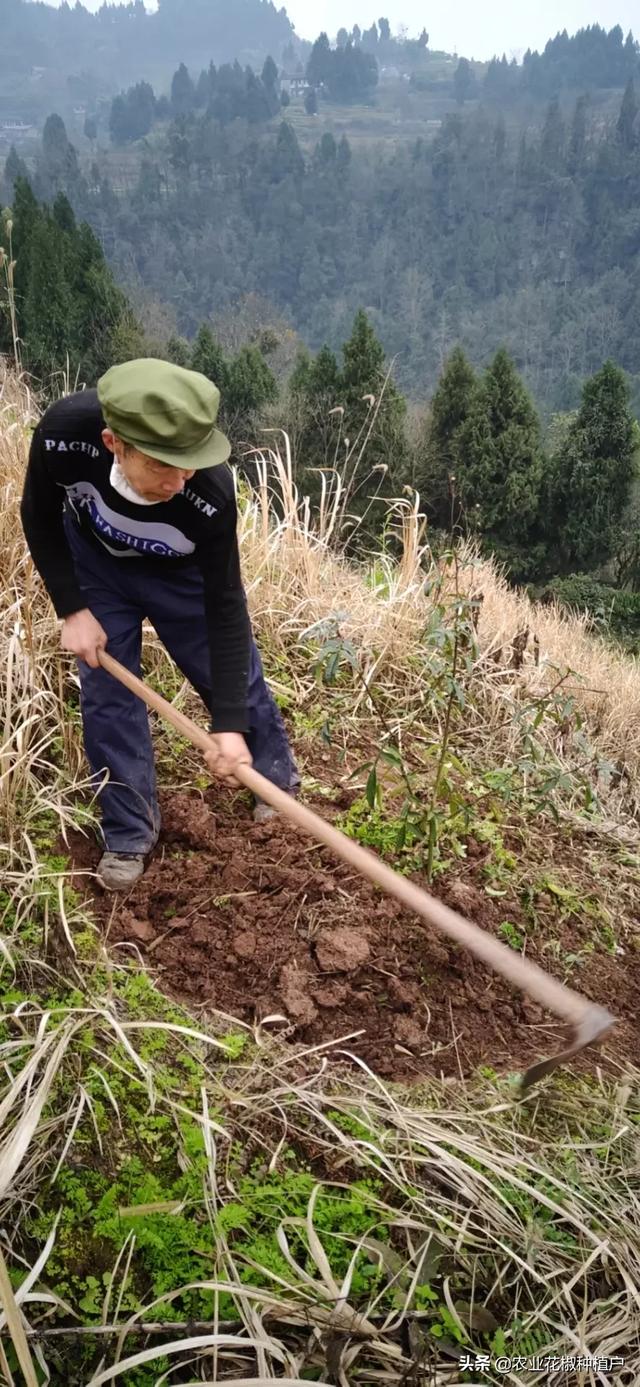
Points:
point(215, 450)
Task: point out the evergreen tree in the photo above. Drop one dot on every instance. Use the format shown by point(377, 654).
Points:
point(592, 474)
point(183, 92)
point(269, 73)
point(343, 157)
point(108, 332)
point(26, 212)
point(58, 167)
point(553, 138)
point(498, 463)
point(627, 120)
point(289, 161)
point(370, 38)
point(269, 79)
point(257, 106)
point(500, 139)
point(246, 383)
point(178, 350)
point(435, 478)
point(464, 82)
point(250, 385)
point(72, 317)
point(203, 90)
point(578, 137)
point(500, 79)
point(14, 169)
point(118, 121)
point(208, 358)
point(315, 417)
point(48, 316)
point(372, 401)
point(132, 114)
point(311, 102)
point(326, 151)
point(319, 64)
point(63, 214)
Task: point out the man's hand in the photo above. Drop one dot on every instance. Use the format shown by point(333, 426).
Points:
point(83, 636)
point(228, 750)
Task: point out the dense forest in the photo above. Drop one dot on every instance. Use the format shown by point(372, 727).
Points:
point(495, 232)
point(70, 54)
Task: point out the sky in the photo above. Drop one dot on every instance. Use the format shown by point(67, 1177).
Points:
point(476, 29)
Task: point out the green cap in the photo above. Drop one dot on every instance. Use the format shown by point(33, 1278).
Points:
point(165, 411)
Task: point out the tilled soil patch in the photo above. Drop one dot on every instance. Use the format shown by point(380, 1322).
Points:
point(255, 921)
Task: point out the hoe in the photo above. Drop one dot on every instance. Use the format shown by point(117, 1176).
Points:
point(587, 1023)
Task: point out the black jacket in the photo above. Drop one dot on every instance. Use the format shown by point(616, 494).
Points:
point(69, 473)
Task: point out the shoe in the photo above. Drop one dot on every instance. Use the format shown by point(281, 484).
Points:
point(263, 813)
point(118, 871)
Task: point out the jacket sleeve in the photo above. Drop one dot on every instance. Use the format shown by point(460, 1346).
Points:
point(228, 623)
point(41, 512)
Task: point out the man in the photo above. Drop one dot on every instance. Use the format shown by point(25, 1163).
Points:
point(129, 512)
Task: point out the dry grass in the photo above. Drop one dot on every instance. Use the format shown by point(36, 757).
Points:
point(526, 653)
point(527, 1210)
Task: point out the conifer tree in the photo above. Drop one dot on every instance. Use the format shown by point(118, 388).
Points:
point(48, 312)
point(592, 474)
point(316, 396)
point(367, 391)
point(437, 450)
point(250, 385)
point(72, 316)
point(183, 92)
point(208, 358)
point(627, 120)
point(498, 457)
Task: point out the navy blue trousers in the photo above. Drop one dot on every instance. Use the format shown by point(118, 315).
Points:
point(117, 736)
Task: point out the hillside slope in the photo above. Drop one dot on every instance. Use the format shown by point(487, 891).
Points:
point(230, 1173)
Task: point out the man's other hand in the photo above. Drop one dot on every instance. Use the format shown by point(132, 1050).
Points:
point(83, 636)
point(228, 751)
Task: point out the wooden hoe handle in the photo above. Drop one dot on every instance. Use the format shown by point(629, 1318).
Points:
point(589, 1022)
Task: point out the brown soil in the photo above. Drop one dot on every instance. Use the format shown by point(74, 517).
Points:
point(255, 920)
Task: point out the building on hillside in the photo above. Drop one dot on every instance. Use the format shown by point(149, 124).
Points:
point(15, 129)
point(294, 86)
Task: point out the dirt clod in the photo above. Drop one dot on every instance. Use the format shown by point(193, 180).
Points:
point(330, 994)
point(133, 928)
point(244, 943)
point(297, 1002)
point(341, 950)
point(406, 994)
point(409, 1033)
point(189, 821)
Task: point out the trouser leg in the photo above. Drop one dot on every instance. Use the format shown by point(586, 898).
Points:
point(178, 614)
point(115, 723)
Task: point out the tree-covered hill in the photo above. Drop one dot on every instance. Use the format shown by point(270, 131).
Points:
point(52, 57)
point(493, 233)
